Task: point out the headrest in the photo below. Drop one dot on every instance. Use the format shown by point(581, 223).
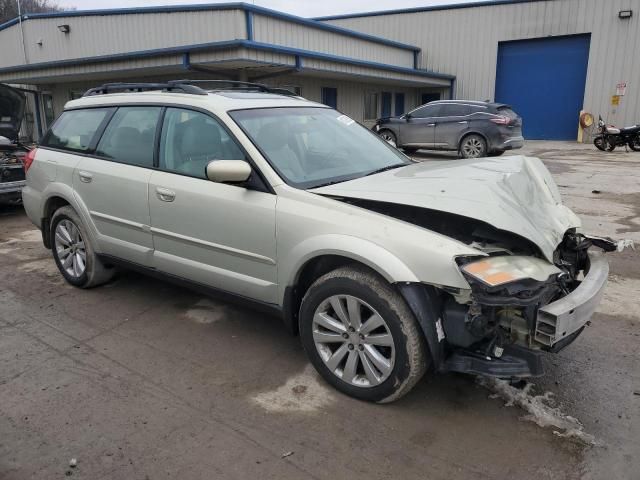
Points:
point(125, 137)
point(199, 139)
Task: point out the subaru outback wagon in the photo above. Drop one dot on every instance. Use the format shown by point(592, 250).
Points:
point(384, 266)
point(473, 129)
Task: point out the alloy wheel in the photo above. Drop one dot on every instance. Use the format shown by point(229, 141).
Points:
point(472, 147)
point(353, 341)
point(389, 138)
point(70, 248)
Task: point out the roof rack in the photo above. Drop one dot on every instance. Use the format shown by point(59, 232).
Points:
point(187, 86)
point(142, 87)
point(237, 85)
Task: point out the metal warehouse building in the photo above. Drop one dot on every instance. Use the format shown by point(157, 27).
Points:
point(550, 59)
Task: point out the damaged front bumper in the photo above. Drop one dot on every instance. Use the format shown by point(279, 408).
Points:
point(560, 322)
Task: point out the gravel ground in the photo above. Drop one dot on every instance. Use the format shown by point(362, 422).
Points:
point(142, 380)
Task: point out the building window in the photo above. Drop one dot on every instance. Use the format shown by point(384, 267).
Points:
point(370, 106)
point(297, 89)
point(386, 104)
point(47, 107)
point(74, 94)
point(399, 110)
point(330, 96)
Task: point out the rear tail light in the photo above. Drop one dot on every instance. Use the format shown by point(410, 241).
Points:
point(28, 159)
point(501, 120)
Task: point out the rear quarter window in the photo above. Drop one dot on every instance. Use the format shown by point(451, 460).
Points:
point(75, 129)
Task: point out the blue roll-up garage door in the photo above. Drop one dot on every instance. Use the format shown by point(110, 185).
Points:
point(543, 79)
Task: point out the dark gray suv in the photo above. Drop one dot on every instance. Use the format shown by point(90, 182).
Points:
point(474, 129)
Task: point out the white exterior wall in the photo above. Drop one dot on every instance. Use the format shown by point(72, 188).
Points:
point(92, 36)
point(281, 32)
point(464, 42)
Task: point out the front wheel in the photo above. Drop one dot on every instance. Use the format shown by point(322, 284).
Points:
point(473, 146)
point(634, 144)
point(361, 336)
point(601, 143)
point(389, 137)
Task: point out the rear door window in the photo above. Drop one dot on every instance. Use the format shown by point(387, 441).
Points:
point(130, 136)
point(454, 110)
point(75, 129)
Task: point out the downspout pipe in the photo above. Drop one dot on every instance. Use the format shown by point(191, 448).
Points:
point(24, 47)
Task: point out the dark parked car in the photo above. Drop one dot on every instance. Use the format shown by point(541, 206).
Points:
point(474, 129)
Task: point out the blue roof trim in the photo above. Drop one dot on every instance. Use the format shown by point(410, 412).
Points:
point(227, 44)
point(217, 6)
point(454, 6)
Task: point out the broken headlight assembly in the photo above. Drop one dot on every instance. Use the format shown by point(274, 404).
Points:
point(506, 291)
point(510, 279)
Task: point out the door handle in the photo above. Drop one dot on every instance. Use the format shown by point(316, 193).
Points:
point(463, 123)
point(431, 124)
point(165, 195)
point(85, 177)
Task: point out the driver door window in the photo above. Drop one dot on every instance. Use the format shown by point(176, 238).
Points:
point(190, 140)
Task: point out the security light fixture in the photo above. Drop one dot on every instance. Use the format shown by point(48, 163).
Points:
point(64, 28)
point(625, 14)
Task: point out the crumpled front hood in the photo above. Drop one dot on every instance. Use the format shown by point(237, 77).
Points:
point(515, 194)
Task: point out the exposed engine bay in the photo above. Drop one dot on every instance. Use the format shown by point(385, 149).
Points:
point(503, 316)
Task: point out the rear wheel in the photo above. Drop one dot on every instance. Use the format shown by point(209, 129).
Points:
point(634, 144)
point(73, 252)
point(360, 335)
point(389, 137)
point(473, 146)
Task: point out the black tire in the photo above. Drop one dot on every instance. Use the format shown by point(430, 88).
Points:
point(473, 146)
point(600, 143)
point(634, 144)
point(496, 153)
point(95, 272)
point(389, 137)
point(611, 147)
point(411, 354)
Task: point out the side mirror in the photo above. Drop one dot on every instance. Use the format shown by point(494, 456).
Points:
point(228, 171)
point(406, 116)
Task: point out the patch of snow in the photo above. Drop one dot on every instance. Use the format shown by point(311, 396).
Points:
point(540, 409)
point(302, 393)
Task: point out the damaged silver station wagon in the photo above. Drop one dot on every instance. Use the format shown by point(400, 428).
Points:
point(385, 267)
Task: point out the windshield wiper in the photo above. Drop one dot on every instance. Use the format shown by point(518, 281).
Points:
point(384, 169)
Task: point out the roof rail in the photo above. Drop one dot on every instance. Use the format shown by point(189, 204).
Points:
point(186, 86)
point(236, 85)
point(141, 87)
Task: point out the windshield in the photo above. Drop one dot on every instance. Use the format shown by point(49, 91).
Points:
point(310, 147)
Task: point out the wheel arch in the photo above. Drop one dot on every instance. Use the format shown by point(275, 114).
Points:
point(474, 132)
point(314, 262)
point(58, 196)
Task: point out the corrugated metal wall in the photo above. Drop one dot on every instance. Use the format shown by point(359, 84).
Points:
point(464, 42)
point(288, 34)
point(92, 36)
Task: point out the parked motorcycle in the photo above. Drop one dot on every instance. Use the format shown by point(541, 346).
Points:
point(610, 137)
